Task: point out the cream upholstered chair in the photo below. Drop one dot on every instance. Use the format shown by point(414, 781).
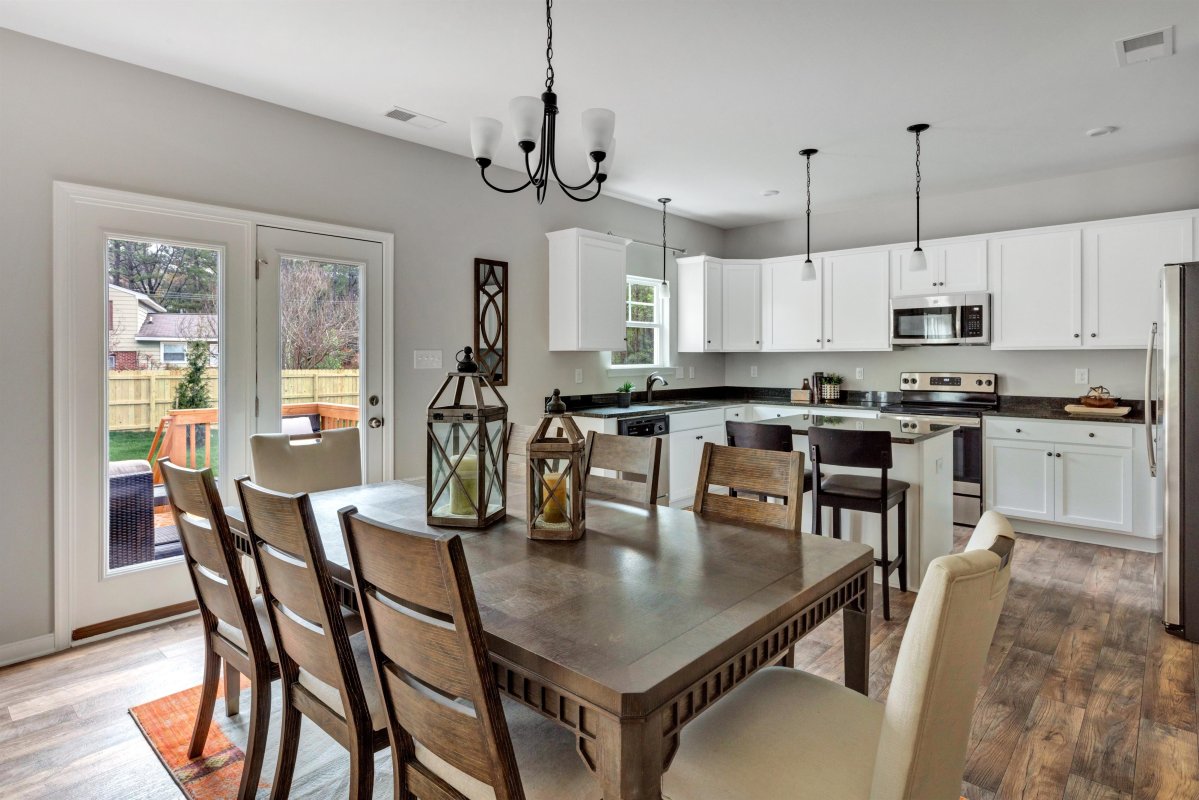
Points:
point(332, 461)
point(789, 735)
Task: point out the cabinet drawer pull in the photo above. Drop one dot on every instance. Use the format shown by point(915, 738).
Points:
point(700, 436)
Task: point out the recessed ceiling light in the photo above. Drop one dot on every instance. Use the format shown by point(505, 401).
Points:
point(770, 192)
point(1105, 130)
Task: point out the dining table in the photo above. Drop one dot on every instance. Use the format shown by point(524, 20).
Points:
point(628, 634)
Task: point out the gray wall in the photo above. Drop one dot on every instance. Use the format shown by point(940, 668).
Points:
point(70, 115)
point(1145, 188)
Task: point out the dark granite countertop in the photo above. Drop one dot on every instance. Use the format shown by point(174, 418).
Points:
point(901, 432)
point(673, 402)
point(1053, 408)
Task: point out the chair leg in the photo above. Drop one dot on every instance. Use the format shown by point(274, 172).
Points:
point(212, 680)
point(289, 743)
point(260, 720)
point(232, 690)
point(903, 543)
point(886, 564)
point(817, 519)
point(362, 769)
point(837, 512)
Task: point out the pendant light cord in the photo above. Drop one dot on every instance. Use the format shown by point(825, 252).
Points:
point(549, 46)
point(808, 213)
point(917, 190)
point(664, 202)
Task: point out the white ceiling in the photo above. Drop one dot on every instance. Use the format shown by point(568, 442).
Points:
point(713, 99)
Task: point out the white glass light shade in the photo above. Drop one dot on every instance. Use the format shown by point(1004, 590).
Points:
point(917, 262)
point(526, 113)
point(808, 273)
point(485, 136)
point(598, 126)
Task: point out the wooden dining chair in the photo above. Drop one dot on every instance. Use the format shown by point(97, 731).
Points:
point(763, 436)
point(765, 472)
point(633, 459)
point(323, 656)
point(452, 736)
point(236, 626)
point(786, 733)
point(303, 463)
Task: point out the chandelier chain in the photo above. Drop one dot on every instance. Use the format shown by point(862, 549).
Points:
point(549, 46)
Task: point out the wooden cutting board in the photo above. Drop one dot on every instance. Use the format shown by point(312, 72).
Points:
point(1087, 411)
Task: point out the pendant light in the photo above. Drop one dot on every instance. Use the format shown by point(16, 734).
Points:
point(917, 262)
point(535, 123)
point(809, 269)
point(665, 287)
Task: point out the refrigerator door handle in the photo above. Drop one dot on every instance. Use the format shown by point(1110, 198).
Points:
point(1150, 422)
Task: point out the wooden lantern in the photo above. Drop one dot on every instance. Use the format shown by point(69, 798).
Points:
point(555, 474)
point(466, 471)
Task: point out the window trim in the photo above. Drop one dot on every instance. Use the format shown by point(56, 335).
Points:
point(661, 328)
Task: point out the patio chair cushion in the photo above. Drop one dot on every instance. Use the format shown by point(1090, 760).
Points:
point(134, 466)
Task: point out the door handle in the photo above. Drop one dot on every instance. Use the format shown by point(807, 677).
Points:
point(375, 422)
point(1150, 422)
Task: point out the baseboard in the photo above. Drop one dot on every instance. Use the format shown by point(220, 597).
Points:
point(1123, 541)
point(27, 649)
point(141, 618)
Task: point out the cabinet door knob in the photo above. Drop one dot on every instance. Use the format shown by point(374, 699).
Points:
point(1077, 335)
point(1049, 454)
point(1092, 336)
point(828, 340)
point(1059, 455)
point(1091, 434)
point(1019, 431)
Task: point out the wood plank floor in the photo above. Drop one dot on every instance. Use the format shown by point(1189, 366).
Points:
point(1084, 695)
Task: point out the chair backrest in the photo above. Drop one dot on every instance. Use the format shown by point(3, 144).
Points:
point(635, 459)
point(212, 558)
point(431, 658)
point(926, 726)
point(315, 658)
point(759, 435)
point(305, 464)
point(849, 448)
point(762, 471)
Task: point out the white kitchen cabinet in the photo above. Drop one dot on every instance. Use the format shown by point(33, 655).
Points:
point(1121, 263)
point(1020, 478)
point(741, 307)
point(857, 302)
point(792, 308)
point(1036, 282)
point(953, 267)
point(686, 449)
point(586, 290)
point(700, 291)
point(1093, 486)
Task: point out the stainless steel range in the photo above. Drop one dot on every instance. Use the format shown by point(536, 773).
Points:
point(952, 398)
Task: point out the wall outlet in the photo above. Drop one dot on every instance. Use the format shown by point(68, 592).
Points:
point(426, 359)
point(578, 376)
point(753, 371)
point(690, 372)
point(678, 372)
point(1082, 375)
point(860, 373)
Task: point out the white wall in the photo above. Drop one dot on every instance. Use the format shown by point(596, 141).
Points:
point(70, 115)
point(1145, 188)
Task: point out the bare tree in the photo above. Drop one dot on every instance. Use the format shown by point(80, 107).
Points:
point(318, 314)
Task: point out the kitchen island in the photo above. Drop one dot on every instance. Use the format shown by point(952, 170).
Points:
point(922, 453)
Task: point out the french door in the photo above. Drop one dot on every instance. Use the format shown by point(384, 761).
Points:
point(319, 339)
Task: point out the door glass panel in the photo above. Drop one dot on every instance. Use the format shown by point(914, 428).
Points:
point(320, 326)
point(162, 387)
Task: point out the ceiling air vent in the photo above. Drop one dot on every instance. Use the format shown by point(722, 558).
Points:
point(1146, 47)
point(413, 118)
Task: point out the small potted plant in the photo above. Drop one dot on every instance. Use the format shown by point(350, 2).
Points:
point(830, 389)
point(624, 395)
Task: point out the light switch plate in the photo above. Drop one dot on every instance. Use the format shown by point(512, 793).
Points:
point(1082, 376)
point(690, 372)
point(678, 372)
point(578, 376)
point(753, 371)
point(859, 373)
point(426, 359)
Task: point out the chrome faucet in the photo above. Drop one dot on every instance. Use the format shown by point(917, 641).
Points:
point(654, 378)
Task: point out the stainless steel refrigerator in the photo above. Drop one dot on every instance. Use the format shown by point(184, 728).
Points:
point(1172, 433)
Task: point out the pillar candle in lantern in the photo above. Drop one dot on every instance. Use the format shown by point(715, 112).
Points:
point(462, 495)
point(554, 498)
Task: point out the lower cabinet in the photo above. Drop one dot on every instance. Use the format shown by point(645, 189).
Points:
point(1056, 479)
point(686, 448)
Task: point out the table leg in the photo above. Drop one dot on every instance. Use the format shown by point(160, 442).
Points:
point(856, 635)
point(630, 758)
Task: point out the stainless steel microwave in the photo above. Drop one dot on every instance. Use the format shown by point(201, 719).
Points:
point(941, 319)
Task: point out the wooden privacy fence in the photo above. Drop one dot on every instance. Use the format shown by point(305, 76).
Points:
point(138, 399)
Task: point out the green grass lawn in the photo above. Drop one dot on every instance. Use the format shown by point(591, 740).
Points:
point(125, 445)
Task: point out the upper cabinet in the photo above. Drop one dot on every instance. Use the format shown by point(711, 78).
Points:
point(952, 267)
point(586, 290)
point(1121, 262)
point(792, 308)
point(857, 301)
point(742, 307)
point(1036, 298)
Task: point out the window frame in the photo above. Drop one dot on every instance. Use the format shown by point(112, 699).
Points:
point(661, 326)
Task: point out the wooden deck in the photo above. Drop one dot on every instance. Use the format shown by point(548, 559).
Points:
point(1084, 695)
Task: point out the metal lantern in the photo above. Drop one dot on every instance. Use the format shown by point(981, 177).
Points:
point(555, 490)
point(466, 473)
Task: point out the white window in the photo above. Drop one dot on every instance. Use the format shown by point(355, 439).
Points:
point(174, 352)
point(645, 325)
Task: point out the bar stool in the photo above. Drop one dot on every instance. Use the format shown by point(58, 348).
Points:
point(763, 436)
point(864, 450)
